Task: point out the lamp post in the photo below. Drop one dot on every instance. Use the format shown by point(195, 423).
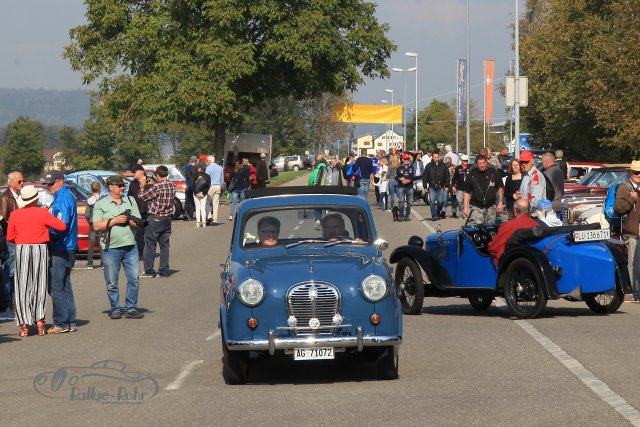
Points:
point(392, 104)
point(404, 101)
point(415, 55)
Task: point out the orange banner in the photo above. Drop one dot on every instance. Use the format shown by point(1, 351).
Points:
point(488, 89)
point(377, 114)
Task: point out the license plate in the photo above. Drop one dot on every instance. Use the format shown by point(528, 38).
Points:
point(591, 235)
point(318, 353)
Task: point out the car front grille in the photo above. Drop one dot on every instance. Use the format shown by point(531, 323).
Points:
point(314, 300)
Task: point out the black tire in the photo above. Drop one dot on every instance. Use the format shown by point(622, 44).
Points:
point(388, 365)
point(481, 303)
point(410, 286)
point(606, 302)
point(235, 366)
point(177, 208)
point(296, 168)
point(523, 290)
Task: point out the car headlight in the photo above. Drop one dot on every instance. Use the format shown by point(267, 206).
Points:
point(251, 292)
point(374, 288)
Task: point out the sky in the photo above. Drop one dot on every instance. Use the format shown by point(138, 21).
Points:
point(33, 34)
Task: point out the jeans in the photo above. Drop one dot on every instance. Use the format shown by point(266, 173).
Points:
point(236, 197)
point(113, 258)
point(363, 190)
point(64, 305)
point(405, 197)
point(157, 234)
point(393, 191)
point(437, 201)
point(382, 204)
point(7, 294)
point(632, 264)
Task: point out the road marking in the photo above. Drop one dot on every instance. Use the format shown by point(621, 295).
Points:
point(599, 387)
point(184, 373)
point(213, 336)
point(419, 217)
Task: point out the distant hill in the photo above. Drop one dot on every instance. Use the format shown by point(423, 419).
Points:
point(49, 107)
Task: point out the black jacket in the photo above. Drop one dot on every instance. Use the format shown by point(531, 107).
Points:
point(201, 183)
point(436, 175)
point(407, 172)
point(460, 177)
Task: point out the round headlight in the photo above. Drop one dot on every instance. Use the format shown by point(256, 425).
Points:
point(374, 288)
point(251, 292)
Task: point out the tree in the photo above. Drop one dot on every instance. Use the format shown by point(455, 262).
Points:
point(323, 130)
point(25, 142)
point(207, 61)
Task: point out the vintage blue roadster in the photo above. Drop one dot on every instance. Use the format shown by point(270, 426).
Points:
point(305, 278)
point(578, 263)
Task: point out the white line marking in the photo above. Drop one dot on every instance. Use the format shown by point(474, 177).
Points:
point(301, 222)
point(213, 336)
point(415, 213)
point(297, 227)
point(184, 373)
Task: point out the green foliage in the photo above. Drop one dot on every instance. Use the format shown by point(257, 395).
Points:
point(187, 141)
point(24, 144)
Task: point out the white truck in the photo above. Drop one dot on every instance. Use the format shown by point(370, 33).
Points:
point(245, 145)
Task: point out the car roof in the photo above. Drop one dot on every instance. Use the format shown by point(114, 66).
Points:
point(94, 172)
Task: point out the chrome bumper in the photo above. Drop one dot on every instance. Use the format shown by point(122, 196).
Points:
point(274, 343)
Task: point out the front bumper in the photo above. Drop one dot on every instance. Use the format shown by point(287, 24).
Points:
point(274, 343)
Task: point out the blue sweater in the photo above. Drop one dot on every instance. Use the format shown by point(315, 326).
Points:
point(64, 208)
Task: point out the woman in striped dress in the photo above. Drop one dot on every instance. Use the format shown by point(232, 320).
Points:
point(29, 230)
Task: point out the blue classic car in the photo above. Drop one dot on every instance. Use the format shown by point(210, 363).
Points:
point(305, 278)
point(577, 263)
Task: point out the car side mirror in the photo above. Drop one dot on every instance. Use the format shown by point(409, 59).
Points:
point(381, 244)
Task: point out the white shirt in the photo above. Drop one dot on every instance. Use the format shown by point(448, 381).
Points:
point(455, 159)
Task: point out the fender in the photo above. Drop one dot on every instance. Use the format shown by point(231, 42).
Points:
point(440, 276)
point(622, 273)
point(538, 259)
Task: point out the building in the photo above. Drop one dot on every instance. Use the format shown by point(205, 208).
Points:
point(384, 141)
point(55, 160)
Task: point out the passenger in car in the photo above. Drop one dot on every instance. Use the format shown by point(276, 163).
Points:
point(268, 231)
point(522, 219)
point(333, 226)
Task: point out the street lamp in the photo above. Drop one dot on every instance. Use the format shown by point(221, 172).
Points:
point(404, 101)
point(391, 92)
point(415, 55)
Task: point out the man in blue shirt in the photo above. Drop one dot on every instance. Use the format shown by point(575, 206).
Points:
point(64, 245)
point(365, 166)
point(216, 173)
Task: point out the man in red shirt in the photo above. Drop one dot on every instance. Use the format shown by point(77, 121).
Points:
point(498, 244)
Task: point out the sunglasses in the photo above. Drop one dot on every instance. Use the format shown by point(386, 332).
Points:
point(636, 172)
point(20, 181)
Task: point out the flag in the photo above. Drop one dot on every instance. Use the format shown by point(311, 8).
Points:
point(462, 77)
point(488, 89)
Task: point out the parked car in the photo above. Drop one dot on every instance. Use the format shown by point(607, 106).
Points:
point(577, 170)
point(540, 264)
point(178, 200)
point(595, 182)
point(293, 163)
point(311, 295)
point(84, 179)
point(279, 163)
point(175, 175)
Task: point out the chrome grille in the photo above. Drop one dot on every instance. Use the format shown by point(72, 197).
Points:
point(319, 300)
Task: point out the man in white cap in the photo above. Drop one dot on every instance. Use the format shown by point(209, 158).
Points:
point(628, 203)
point(458, 183)
point(262, 171)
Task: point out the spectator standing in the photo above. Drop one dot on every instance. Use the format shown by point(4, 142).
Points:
point(28, 229)
point(458, 183)
point(448, 195)
point(483, 188)
point(426, 158)
point(521, 220)
point(8, 204)
point(262, 171)
point(627, 202)
point(493, 160)
point(134, 191)
point(562, 164)
point(436, 178)
point(317, 176)
point(189, 172)
point(159, 198)
point(533, 186)
point(64, 245)
point(119, 246)
point(88, 213)
point(503, 156)
point(365, 166)
point(201, 185)
point(556, 177)
point(394, 164)
point(240, 181)
point(512, 186)
point(376, 176)
point(405, 175)
point(216, 172)
point(332, 174)
point(449, 154)
point(383, 184)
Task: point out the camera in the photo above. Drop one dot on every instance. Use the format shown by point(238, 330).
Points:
point(130, 217)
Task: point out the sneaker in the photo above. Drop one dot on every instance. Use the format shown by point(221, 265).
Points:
point(133, 314)
point(443, 215)
point(147, 276)
point(88, 267)
point(209, 221)
point(407, 219)
point(197, 225)
point(317, 225)
point(230, 218)
point(115, 314)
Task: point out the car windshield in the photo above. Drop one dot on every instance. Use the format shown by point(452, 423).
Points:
point(605, 179)
point(304, 225)
point(588, 178)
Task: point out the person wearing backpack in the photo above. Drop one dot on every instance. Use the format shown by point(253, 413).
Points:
point(555, 177)
point(627, 205)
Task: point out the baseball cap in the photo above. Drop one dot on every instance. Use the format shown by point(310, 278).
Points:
point(115, 180)
point(406, 156)
point(464, 157)
point(526, 156)
point(52, 176)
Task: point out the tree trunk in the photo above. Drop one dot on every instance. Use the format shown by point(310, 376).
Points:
point(218, 143)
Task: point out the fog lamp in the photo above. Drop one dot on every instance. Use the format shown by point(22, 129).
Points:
point(375, 319)
point(252, 323)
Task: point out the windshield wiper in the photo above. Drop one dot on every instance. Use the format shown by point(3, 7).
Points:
point(291, 245)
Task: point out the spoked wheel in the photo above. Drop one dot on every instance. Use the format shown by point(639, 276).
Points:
point(388, 364)
point(523, 290)
point(480, 303)
point(410, 286)
point(606, 302)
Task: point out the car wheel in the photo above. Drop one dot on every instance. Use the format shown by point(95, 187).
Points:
point(480, 303)
point(296, 168)
point(410, 286)
point(177, 208)
point(606, 302)
point(388, 364)
point(523, 289)
point(235, 365)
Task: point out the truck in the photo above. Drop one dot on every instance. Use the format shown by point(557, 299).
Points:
point(245, 145)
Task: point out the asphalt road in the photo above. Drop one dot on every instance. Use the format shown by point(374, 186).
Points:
point(457, 366)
